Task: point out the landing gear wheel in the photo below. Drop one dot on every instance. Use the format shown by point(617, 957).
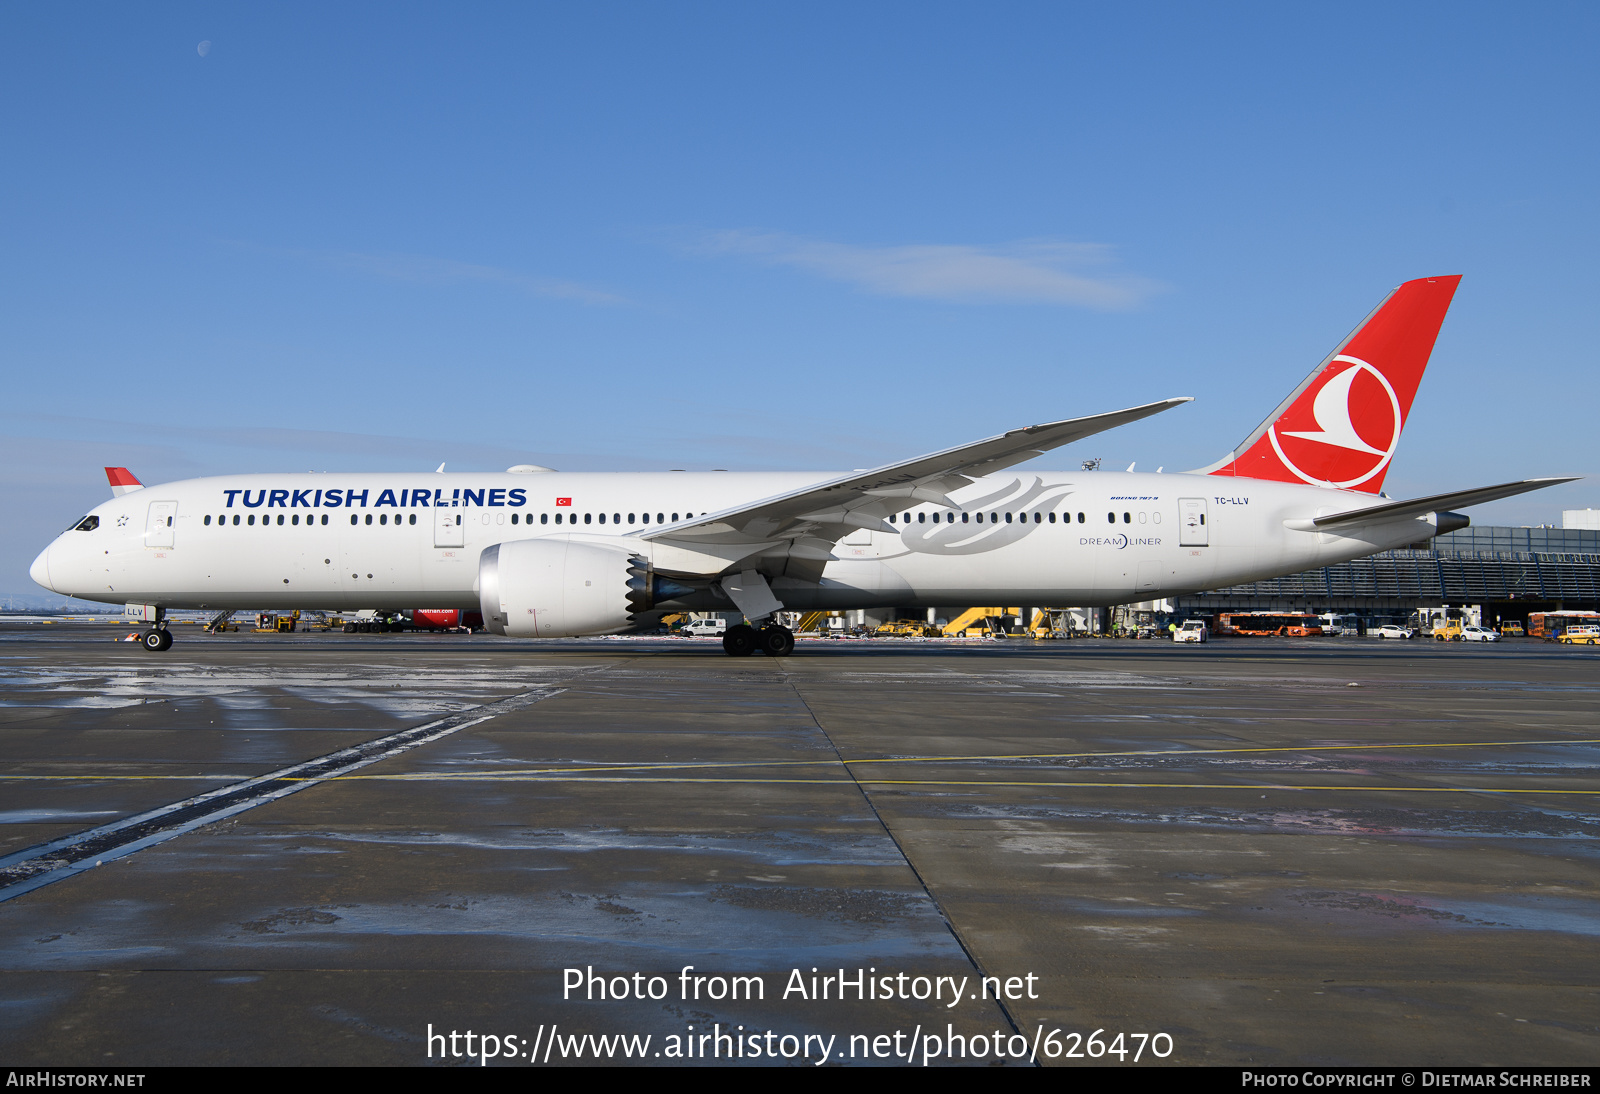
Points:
point(156, 640)
point(349, 628)
point(775, 641)
point(739, 641)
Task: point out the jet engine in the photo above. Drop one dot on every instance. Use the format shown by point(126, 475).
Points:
point(555, 587)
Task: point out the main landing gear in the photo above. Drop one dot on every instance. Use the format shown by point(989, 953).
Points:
point(743, 640)
point(373, 626)
point(156, 640)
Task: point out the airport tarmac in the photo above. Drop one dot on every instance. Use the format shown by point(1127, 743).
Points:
point(1273, 852)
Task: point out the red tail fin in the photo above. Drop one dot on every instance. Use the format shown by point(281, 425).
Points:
point(1341, 426)
point(122, 481)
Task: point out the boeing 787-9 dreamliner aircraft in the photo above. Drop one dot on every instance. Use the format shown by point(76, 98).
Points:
point(547, 554)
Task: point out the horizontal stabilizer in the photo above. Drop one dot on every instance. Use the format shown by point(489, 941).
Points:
point(122, 481)
point(1397, 510)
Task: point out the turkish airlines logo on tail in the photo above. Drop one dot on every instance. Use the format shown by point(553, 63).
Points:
point(1349, 431)
point(1342, 429)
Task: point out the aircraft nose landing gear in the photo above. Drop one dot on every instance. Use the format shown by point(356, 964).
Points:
point(156, 640)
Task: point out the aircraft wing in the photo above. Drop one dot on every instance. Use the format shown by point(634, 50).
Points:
point(809, 521)
point(1396, 510)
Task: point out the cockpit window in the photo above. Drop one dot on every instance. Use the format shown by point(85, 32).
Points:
point(87, 524)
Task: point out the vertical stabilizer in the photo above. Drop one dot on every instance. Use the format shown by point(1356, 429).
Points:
point(122, 481)
point(1341, 426)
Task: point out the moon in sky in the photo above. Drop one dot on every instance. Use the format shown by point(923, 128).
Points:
point(203, 48)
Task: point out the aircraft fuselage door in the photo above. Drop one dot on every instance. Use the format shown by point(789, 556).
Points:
point(158, 526)
point(1192, 530)
point(448, 530)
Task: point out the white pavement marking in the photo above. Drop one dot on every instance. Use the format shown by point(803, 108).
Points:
point(33, 867)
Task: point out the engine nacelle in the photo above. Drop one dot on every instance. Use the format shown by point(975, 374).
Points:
point(554, 587)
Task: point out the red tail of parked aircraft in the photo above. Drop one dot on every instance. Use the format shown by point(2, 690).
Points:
point(1341, 426)
point(122, 481)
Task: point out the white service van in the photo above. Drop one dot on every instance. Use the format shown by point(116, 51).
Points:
point(705, 628)
point(1335, 623)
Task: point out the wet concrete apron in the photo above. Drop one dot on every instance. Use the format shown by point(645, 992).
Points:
point(1098, 814)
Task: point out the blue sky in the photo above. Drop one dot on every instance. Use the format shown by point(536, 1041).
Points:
point(754, 236)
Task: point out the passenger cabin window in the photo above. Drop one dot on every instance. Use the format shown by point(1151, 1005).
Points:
point(236, 518)
point(544, 518)
point(207, 522)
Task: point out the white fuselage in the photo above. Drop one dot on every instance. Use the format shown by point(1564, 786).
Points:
point(394, 541)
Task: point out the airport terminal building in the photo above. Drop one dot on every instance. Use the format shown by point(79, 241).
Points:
point(1507, 572)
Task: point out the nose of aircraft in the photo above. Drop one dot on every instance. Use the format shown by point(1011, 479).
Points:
point(40, 570)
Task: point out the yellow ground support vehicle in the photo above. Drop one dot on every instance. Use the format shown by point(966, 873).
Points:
point(813, 623)
point(1587, 635)
point(978, 622)
point(1050, 623)
point(1511, 629)
point(1448, 632)
point(906, 628)
point(272, 622)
